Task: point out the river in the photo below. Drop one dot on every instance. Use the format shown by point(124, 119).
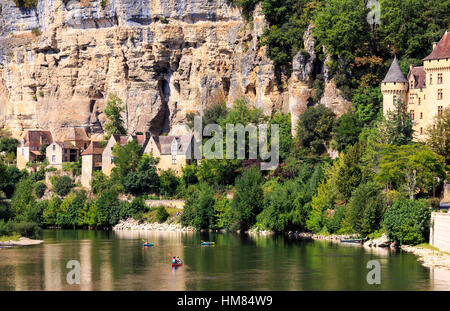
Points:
point(117, 261)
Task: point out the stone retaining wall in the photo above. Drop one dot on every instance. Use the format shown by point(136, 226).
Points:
point(166, 203)
point(440, 231)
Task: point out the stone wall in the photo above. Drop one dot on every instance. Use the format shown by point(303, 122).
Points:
point(440, 231)
point(166, 203)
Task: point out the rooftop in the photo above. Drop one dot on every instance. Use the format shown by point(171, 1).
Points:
point(34, 138)
point(77, 133)
point(419, 76)
point(442, 48)
point(395, 73)
point(93, 148)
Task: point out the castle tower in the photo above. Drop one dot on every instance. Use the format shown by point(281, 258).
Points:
point(394, 87)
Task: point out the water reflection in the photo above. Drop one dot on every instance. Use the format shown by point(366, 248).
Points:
point(117, 261)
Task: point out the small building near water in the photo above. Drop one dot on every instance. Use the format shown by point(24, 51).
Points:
point(91, 160)
point(59, 152)
point(29, 149)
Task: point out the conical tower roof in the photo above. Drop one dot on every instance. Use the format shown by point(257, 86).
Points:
point(395, 74)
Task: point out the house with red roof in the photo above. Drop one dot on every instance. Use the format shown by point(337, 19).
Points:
point(31, 147)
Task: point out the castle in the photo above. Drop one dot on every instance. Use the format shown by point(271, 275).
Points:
point(426, 89)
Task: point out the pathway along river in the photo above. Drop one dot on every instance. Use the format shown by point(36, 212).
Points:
point(117, 261)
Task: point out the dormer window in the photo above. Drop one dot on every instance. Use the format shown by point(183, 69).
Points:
point(412, 84)
point(174, 147)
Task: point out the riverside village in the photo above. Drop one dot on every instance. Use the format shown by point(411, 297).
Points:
point(224, 146)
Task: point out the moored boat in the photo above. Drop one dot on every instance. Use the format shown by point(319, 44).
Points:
point(208, 243)
point(177, 264)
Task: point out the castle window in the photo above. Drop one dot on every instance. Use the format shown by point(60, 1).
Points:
point(412, 84)
point(419, 100)
point(394, 99)
point(112, 160)
point(421, 115)
point(431, 79)
point(439, 78)
point(439, 95)
point(54, 147)
point(23, 151)
point(411, 99)
point(174, 159)
point(53, 158)
point(421, 131)
point(412, 114)
point(439, 110)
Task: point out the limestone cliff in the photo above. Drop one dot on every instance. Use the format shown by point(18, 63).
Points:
point(164, 58)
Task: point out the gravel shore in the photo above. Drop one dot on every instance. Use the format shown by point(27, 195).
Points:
point(135, 225)
point(22, 242)
point(429, 257)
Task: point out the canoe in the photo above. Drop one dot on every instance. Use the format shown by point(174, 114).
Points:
point(359, 241)
point(147, 244)
point(177, 264)
point(208, 243)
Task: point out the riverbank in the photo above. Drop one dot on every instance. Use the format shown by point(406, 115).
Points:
point(20, 242)
point(307, 235)
point(136, 225)
point(429, 256)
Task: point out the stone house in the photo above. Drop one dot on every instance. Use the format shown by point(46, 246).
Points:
point(91, 160)
point(77, 137)
point(29, 149)
point(174, 152)
point(107, 155)
point(426, 89)
point(59, 152)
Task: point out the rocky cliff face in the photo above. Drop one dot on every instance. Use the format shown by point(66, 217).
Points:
point(164, 58)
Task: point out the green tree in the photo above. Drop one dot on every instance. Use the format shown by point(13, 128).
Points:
point(51, 211)
point(438, 135)
point(346, 131)
point(168, 182)
point(248, 199)
point(365, 209)
point(189, 175)
point(285, 133)
point(407, 222)
point(144, 179)
point(113, 112)
point(199, 208)
point(9, 145)
point(367, 102)
point(39, 189)
point(126, 158)
point(23, 199)
point(162, 214)
point(410, 166)
point(314, 129)
point(350, 173)
point(62, 185)
point(397, 126)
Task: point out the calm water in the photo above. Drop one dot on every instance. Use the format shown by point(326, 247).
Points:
point(117, 261)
